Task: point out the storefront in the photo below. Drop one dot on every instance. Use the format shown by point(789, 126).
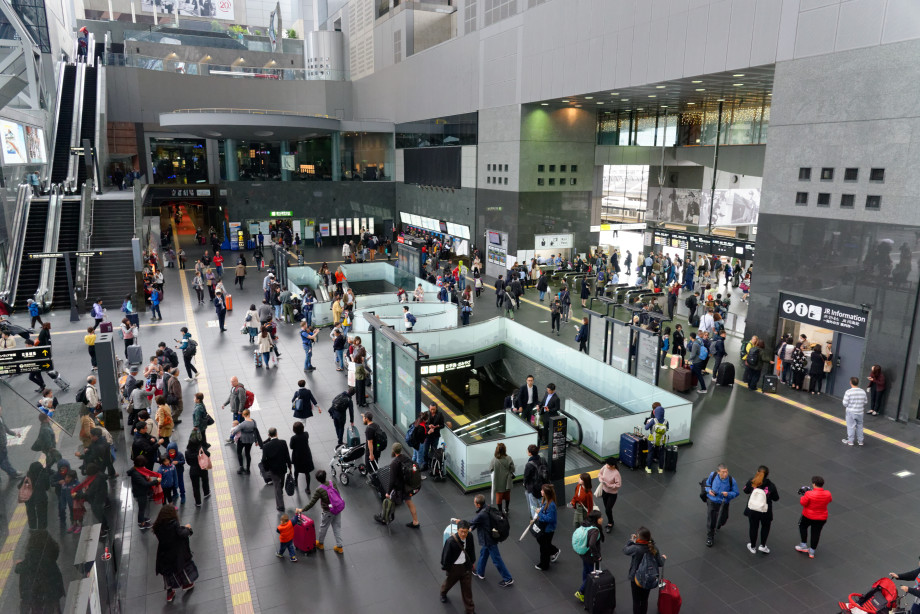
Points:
point(845, 326)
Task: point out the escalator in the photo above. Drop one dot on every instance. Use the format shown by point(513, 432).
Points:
point(60, 159)
point(68, 240)
point(87, 119)
point(30, 270)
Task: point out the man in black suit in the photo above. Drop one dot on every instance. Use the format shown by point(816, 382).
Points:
point(221, 308)
point(527, 399)
point(276, 460)
point(549, 407)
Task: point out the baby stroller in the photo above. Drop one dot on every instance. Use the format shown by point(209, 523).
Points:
point(346, 460)
point(58, 379)
point(882, 598)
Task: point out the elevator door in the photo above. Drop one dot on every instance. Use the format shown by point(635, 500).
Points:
point(848, 357)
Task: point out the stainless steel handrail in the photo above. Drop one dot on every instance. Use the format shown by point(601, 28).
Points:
point(17, 238)
point(70, 185)
point(45, 290)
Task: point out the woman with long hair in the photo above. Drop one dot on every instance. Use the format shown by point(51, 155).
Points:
point(174, 555)
point(502, 468)
point(545, 522)
point(877, 387)
point(610, 479)
point(759, 509)
point(583, 499)
point(640, 544)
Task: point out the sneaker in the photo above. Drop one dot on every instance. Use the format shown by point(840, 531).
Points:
point(506, 583)
point(579, 596)
point(847, 442)
point(538, 568)
point(555, 557)
point(188, 379)
point(320, 546)
point(801, 548)
point(206, 495)
point(709, 543)
point(811, 553)
point(412, 525)
point(78, 528)
point(648, 469)
point(182, 499)
point(170, 595)
point(279, 555)
point(188, 587)
point(197, 505)
point(764, 549)
point(443, 598)
point(425, 477)
point(701, 390)
point(339, 549)
point(293, 559)
point(660, 470)
point(478, 576)
point(751, 549)
point(860, 443)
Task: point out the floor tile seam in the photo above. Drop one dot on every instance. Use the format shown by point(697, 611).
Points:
point(241, 593)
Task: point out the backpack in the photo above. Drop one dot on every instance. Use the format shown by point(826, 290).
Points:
point(192, 348)
point(81, 396)
point(339, 405)
point(753, 357)
point(412, 477)
point(704, 351)
point(25, 490)
point(411, 318)
point(380, 439)
point(409, 434)
point(706, 484)
point(336, 504)
point(580, 540)
point(758, 500)
point(542, 475)
point(687, 302)
point(647, 572)
point(659, 433)
point(250, 399)
point(499, 523)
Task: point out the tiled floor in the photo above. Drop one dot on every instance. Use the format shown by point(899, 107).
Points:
point(870, 532)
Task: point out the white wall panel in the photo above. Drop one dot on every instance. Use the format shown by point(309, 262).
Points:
point(639, 53)
point(657, 50)
point(860, 24)
point(740, 34)
point(676, 46)
point(789, 21)
point(624, 58)
point(717, 36)
point(697, 25)
point(816, 31)
point(902, 21)
point(766, 31)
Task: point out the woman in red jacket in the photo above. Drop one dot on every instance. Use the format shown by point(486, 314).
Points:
point(814, 514)
point(877, 386)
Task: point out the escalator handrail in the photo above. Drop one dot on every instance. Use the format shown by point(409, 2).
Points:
point(73, 161)
point(57, 119)
point(17, 240)
point(581, 433)
point(43, 294)
point(99, 137)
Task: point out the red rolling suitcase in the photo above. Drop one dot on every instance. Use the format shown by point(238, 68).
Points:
point(305, 535)
point(681, 379)
point(669, 600)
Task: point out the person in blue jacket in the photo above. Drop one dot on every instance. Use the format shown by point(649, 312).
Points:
point(155, 305)
point(35, 312)
point(721, 488)
point(545, 521)
point(178, 461)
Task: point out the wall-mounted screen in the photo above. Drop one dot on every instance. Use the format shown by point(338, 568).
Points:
point(442, 226)
point(433, 166)
point(35, 144)
point(14, 145)
point(370, 225)
point(348, 225)
point(415, 220)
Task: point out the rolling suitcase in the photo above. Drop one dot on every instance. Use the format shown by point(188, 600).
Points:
point(726, 375)
point(105, 327)
point(134, 319)
point(354, 438)
point(681, 380)
point(770, 383)
point(257, 356)
point(642, 452)
point(669, 600)
point(600, 592)
point(670, 458)
point(134, 354)
point(629, 449)
point(305, 535)
point(228, 301)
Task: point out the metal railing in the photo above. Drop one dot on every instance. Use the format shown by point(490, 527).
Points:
point(45, 291)
point(17, 237)
point(224, 70)
point(251, 112)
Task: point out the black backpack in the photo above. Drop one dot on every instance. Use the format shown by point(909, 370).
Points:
point(81, 396)
point(380, 439)
point(753, 357)
point(192, 348)
point(412, 476)
point(499, 523)
point(339, 405)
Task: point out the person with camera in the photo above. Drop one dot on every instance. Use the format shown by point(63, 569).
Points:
point(814, 500)
point(913, 590)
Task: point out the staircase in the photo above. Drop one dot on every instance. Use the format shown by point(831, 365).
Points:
point(30, 270)
point(111, 275)
point(68, 240)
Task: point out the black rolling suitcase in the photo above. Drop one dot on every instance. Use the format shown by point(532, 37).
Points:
point(670, 458)
point(600, 592)
point(726, 374)
point(770, 383)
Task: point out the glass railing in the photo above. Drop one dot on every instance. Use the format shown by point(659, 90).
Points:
point(224, 70)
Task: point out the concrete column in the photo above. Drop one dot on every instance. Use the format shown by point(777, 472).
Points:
point(389, 156)
point(285, 149)
point(336, 156)
point(232, 166)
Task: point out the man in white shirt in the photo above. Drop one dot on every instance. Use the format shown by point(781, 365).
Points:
point(854, 400)
point(707, 322)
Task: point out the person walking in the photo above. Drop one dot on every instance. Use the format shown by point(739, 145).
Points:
point(457, 557)
point(265, 346)
point(720, 488)
point(582, 336)
point(814, 502)
point(583, 500)
point(536, 474)
point(37, 504)
point(590, 529)
point(98, 313)
point(240, 275)
point(718, 353)
point(198, 285)
point(128, 333)
point(308, 338)
point(639, 547)
point(502, 468)
point(544, 524)
point(236, 400)
point(303, 403)
point(341, 404)
point(174, 554)
point(248, 434)
point(488, 547)
point(221, 308)
point(759, 508)
point(876, 388)
point(332, 505)
point(400, 490)
point(198, 475)
point(201, 420)
point(174, 396)
point(301, 456)
point(555, 317)
point(610, 482)
point(276, 460)
point(854, 401)
point(155, 297)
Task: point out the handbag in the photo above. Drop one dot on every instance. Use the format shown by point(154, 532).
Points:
point(204, 461)
point(599, 491)
point(25, 490)
point(290, 486)
point(537, 527)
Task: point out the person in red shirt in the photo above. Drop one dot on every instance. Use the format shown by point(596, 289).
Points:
point(814, 502)
point(219, 264)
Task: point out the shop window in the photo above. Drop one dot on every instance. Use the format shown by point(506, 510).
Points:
point(539, 180)
point(824, 199)
point(847, 200)
point(877, 175)
point(827, 174)
point(552, 181)
point(552, 168)
point(804, 173)
point(540, 168)
point(851, 174)
point(873, 203)
point(562, 168)
point(801, 199)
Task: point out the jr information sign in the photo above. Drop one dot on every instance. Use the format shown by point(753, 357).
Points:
point(841, 318)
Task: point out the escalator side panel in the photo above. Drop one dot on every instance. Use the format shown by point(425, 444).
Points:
point(61, 155)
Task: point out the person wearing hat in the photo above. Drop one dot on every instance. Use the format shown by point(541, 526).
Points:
point(82, 43)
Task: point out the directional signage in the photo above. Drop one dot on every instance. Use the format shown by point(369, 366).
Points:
point(842, 318)
point(25, 366)
point(97, 252)
point(46, 255)
point(36, 353)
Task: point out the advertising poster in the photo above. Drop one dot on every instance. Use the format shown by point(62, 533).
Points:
point(35, 145)
point(14, 145)
point(324, 229)
point(215, 9)
point(736, 207)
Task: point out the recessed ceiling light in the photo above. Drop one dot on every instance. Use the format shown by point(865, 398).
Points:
point(740, 74)
point(660, 87)
point(652, 96)
point(544, 104)
point(690, 104)
point(664, 106)
point(614, 93)
point(589, 97)
point(640, 109)
point(625, 99)
point(737, 84)
point(600, 102)
point(701, 89)
point(696, 82)
point(565, 101)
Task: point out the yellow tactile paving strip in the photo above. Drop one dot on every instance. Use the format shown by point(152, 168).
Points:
point(236, 574)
